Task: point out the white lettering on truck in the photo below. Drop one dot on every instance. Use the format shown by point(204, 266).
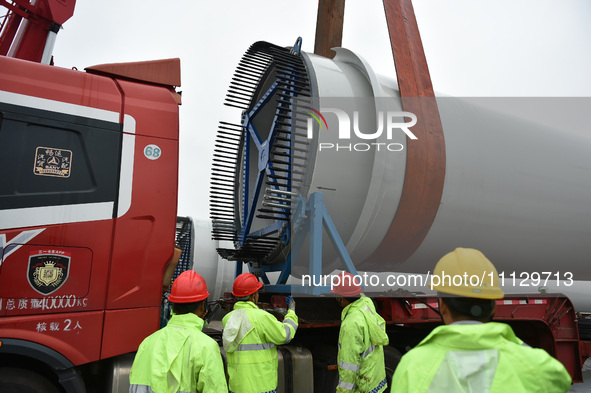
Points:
point(7, 248)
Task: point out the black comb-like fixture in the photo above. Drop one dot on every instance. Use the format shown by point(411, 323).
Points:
point(259, 164)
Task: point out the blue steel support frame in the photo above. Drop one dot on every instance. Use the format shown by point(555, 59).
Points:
point(309, 218)
point(250, 207)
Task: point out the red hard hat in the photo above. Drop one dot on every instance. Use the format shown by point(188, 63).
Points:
point(189, 287)
point(347, 285)
point(245, 285)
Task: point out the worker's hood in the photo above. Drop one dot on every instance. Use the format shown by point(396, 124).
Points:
point(467, 337)
point(176, 349)
point(376, 325)
point(377, 328)
point(237, 327)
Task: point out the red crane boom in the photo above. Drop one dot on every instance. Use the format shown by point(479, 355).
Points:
point(29, 28)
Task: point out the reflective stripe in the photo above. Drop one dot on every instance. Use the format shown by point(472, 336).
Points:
point(270, 391)
point(254, 347)
point(380, 386)
point(346, 385)
point(365, 308)
point(349, 366)
point(147, 389)
point(292, 323)
point(366, 353)
point(287, 334)
point(140, 389)
point(369, 350)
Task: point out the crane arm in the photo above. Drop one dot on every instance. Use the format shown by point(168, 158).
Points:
point(29, 27)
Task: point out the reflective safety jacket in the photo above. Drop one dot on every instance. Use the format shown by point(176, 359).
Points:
point(178, 358)
point(250, 335)
point(361, 353)
point(478, 357)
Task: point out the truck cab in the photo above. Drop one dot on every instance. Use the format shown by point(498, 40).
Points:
point(87, 212)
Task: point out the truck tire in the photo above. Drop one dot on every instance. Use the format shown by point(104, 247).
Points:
point(18, 380)
point(326, 375)
point(391, 359)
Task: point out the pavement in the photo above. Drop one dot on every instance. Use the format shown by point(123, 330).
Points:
point(584, 387)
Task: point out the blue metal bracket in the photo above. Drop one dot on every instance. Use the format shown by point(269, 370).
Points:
point(297, 46)
point(308, 219)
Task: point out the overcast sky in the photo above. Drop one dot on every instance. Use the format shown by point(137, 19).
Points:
point(474, 48)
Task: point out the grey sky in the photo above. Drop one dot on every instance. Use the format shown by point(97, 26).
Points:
point(474, 48)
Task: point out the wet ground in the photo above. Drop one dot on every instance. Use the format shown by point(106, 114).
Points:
point(584, 387)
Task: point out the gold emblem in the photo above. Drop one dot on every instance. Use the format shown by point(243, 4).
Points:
point(48, 275)
point(50, 161)
point(48, 271)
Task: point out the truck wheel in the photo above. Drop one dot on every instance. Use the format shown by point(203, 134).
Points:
point(391, 359)
point(17, 380)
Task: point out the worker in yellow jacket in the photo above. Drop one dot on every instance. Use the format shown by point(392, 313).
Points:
point(180, 357)
point(469, 353)
point(250, 336)
point(361, 340)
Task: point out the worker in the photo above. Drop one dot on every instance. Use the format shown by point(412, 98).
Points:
point(171, 267)
point(180, 357)
point(250, 336)
point(361, 339)
point(469, 353)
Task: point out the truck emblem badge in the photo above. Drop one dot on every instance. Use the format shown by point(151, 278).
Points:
point(50, 161)
point(48, 272)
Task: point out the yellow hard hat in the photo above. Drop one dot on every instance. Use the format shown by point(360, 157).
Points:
point(467, 272)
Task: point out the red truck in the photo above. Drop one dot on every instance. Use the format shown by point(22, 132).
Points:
point(87, 208)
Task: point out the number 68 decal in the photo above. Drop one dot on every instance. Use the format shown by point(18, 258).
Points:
point(152, 152)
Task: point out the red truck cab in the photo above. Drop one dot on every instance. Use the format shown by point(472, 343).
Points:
point(88, 202)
